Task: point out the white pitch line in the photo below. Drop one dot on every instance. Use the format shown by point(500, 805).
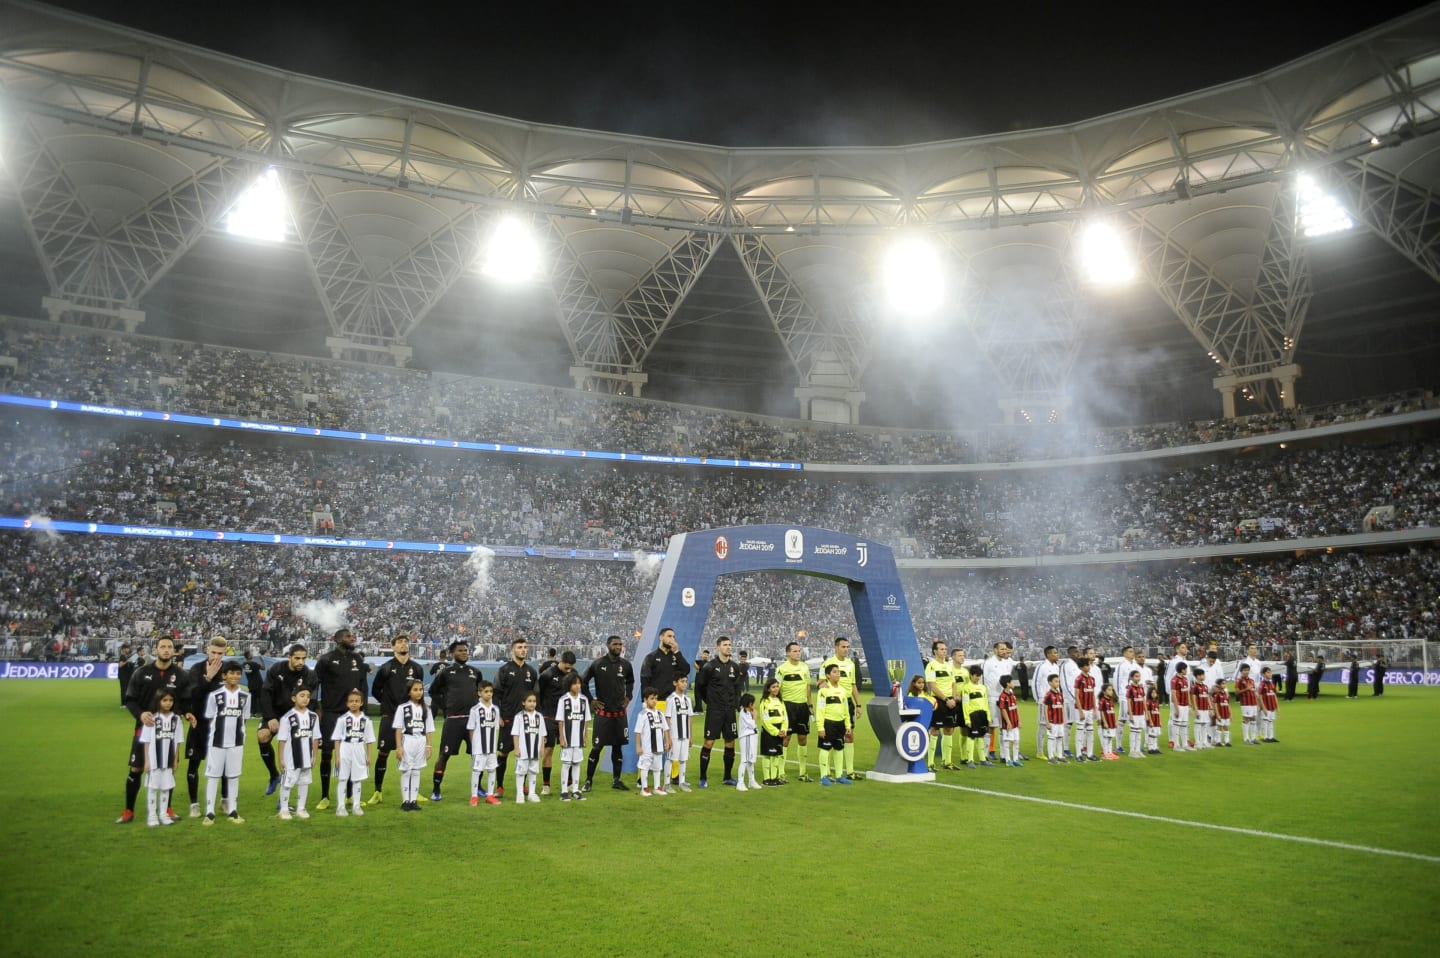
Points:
point(1303, 839)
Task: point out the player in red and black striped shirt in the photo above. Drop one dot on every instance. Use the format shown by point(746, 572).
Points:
point(1221, 707)
point(1009, 712)
point(1200, 692)
point(1180, 709)
point(1054, 702)
point(1269, 705)
point(1152, 720)
point(1108, 710)
point(1085, 684)
point(1135, 713)
point(1249, 705)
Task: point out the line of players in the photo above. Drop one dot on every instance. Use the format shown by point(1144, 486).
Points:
point(524, 712)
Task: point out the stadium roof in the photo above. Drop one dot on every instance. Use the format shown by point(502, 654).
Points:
point(729, 274)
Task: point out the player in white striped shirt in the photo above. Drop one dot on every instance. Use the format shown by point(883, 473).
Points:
point(652, 744)
point(299, 738)
point(412, 729)
point(484, 726)
point(161, 743)
point(227, 710)
point(680, 714)
point(527, 733)
point(355, 734)
point(572, 715)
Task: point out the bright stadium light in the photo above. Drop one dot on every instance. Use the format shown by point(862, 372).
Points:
point(1320, 213)
point(914, 276)
point(260, 213)
point(513, 254)
point(1104, 258)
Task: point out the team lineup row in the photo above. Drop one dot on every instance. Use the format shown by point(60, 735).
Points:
point(530, 714)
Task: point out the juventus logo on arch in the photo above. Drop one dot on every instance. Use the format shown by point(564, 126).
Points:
point(864, 552)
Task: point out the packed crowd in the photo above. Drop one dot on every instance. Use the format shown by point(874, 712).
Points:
point(76, 594)
point(145, 372)
point(83, 469)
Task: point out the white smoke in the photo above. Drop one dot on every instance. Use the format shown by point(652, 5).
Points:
point(479, 565)
point(41, 523)
point(647, 568)
point(327, 616)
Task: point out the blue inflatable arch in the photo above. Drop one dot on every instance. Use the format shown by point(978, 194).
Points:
point(695, 561)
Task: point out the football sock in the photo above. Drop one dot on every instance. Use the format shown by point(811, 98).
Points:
point(947, 748)
point(849, 757)
point(590, 765)
point(212, 785)
point(267, 755)
point(132, 789)
point(325, 778)
point(382, 764)
point(729, 763)
point(704, 762)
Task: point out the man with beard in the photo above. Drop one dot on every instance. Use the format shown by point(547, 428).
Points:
point(278, 697)
point(340, 671)
point(614, 684)
point(392, 688)
point(719, 686)
point(554, 682)
point(659, 670)
point(204, 679)
point(163, 674)
point(1039, 685)
point(453, 693)
point(513, 681)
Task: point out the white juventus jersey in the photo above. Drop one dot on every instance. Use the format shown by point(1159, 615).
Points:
point(679, 712)
point(529, 731)
point(299, 732)
point(161, 740)
point(227, 712)
point(573, 713)
point(352, 729)
point(413, 719)
point(484, 726)
point(650, 729)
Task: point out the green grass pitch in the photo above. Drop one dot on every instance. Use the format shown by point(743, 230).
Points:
point(870, 869)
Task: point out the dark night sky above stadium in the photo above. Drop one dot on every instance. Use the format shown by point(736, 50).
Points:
point(772, 74)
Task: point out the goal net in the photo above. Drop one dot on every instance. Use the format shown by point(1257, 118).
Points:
point(1406, 661)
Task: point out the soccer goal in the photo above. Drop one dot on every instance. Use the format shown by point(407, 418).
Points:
point(1411, 655)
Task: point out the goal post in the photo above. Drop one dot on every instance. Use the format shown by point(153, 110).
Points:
point(1407, 661)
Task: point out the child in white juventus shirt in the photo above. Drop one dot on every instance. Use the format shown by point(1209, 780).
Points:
point(749, 744)
point(680, 713)
point(161, 741)
point(299, 738)
point(228, 709)
point(484, 726)
point(355, 735)
point(528, 734)
point(652, 744)
point(572, 715)
point(413, 727)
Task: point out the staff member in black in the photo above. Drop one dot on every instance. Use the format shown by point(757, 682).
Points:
point(125, 670)
point(513, 681)
point(554, 682)
point(660, 669)
point(613, 678)
point(718, 686)
point(340, 671)
point(204, 679)
point(453, 693)
point(254, 670)
point(1380, 666)
point(391, 688)
point(162, 674)
point(1292, 675)
point(277, 697)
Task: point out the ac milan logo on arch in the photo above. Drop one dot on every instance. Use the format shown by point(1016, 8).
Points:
point(722, 547)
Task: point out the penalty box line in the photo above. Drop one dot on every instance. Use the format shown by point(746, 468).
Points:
point(1255, 832)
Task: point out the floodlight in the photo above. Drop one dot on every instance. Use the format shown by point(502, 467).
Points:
point(1320, 213)
point(260, 213)
point(1104, 257)
point(513, 254)
point(914, 276)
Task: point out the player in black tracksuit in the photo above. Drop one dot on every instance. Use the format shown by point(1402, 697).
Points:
point(513, 681)
point(204, 679)
point(453, 693)
point(614, 680)
point(719, 686)
point(553, 678)
point(163, 673)
point(391, 688)
point(277, 697)
point(340, 671)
